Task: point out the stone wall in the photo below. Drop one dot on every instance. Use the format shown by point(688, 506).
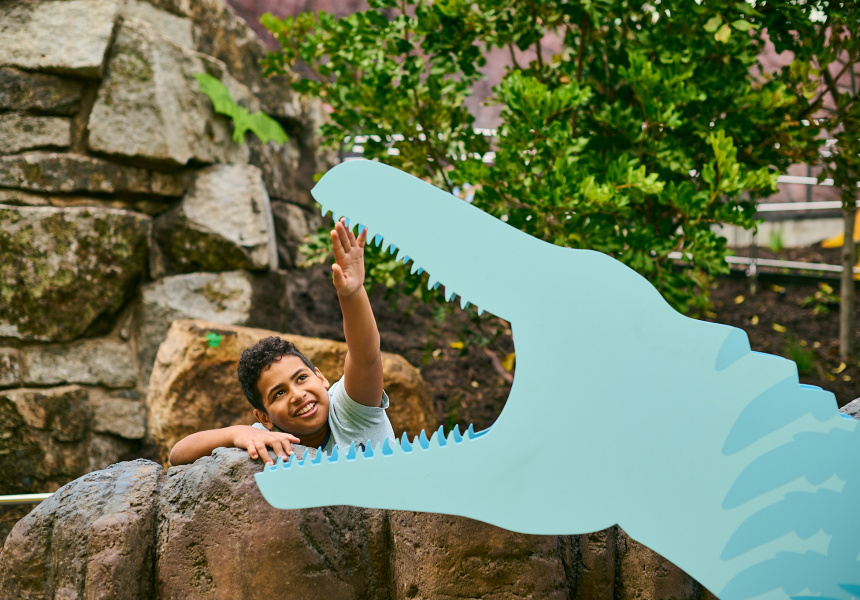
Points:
point(124, 204)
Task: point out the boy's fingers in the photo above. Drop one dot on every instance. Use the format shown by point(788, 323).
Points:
point(337, 246)
point(264, 454)
point(362, 238)
point(342, 234)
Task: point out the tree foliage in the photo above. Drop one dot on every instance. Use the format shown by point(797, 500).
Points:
point(823, 37)
point(643, 127)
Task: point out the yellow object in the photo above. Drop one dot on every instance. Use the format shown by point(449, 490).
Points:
point(508, 362)
point(836, 241)
point(457, 345)
point(779, 328)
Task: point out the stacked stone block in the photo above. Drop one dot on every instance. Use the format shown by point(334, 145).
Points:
point(125, 204)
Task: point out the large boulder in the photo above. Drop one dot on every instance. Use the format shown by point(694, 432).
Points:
point(66, 173)
point(194, 386)
point(223, 223)
point(68, 36)
point(205, 531)
point(94, 538)
point(20, 90)
point(149, 106)
point(63, 269)
point(217, 537)
point(445, 557)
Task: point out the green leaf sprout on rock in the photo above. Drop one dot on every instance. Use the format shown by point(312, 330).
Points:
point(258, 123)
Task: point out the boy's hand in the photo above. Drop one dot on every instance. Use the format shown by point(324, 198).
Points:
point(348, 269)
point(255, 440)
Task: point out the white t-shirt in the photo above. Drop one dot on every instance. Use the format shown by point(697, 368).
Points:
point(349, 421)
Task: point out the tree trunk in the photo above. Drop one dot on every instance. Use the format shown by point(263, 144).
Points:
point(846, 301)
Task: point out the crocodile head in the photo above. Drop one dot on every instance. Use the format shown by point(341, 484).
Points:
point(621, 411)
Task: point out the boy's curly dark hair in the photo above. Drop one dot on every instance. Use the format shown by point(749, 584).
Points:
point(257, 358)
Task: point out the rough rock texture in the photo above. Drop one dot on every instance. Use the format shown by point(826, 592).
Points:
point(219, 32)
point(852, 408)
point(49, 94)
point(224, 223)
point(10, 367)
point(117, 415)
point(49, 172)
point(94, 538)
point(66, 37)
point(104, 362)
point(646, 574)
point(194, 387)
point(217, 537)
point(595, 570)
point(279, 165)
point(445, 558)
point(42, 438)
point(205, 531)
point(220, 297)
point(149, 106)
point(178, 30)
point(65, 268)
point(22, 132)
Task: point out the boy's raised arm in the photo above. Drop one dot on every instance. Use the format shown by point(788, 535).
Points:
point(363, 365)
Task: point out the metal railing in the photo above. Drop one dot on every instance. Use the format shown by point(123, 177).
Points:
point(23, 499)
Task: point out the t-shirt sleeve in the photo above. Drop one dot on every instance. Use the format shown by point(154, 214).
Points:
point(353, 418)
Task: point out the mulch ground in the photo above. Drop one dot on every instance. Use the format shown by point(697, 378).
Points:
point(785, 318)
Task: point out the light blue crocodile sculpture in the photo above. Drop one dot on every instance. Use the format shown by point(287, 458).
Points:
point(622, 411)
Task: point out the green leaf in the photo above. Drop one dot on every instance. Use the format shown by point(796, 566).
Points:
point(742, 25)
point(723, 34)
point(713, 23)
point(259, 123)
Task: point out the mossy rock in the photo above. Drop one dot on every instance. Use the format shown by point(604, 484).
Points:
point(66, 268)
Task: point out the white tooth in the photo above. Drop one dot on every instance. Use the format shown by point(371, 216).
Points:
point(400, 255)
point(448, 295)
point(414, 268)
point(463, 303)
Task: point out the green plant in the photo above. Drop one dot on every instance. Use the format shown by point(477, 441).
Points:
point(647, 127)
point(775, 242)
point(823, 300)
point(799, 352)
point(258, 123)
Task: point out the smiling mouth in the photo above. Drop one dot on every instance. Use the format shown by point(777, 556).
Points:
point(307, 408)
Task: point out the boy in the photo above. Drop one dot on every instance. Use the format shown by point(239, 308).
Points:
point(291, 398)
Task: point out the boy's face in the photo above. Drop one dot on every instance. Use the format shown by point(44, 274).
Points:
point(295, 397)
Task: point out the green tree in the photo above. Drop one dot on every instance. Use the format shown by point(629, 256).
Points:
point(647, 128)
point(824, 38)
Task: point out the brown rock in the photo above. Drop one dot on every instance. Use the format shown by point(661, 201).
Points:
point(218, 538)
point(49, 172)
point(20, 90)
point(194, 386)
point(595, 573)
point(92, 539)
point(646, 574)
point(442, 557)
point(42, 438)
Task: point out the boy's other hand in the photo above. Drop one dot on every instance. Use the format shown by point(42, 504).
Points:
point(255, 440)
point(348, 269)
